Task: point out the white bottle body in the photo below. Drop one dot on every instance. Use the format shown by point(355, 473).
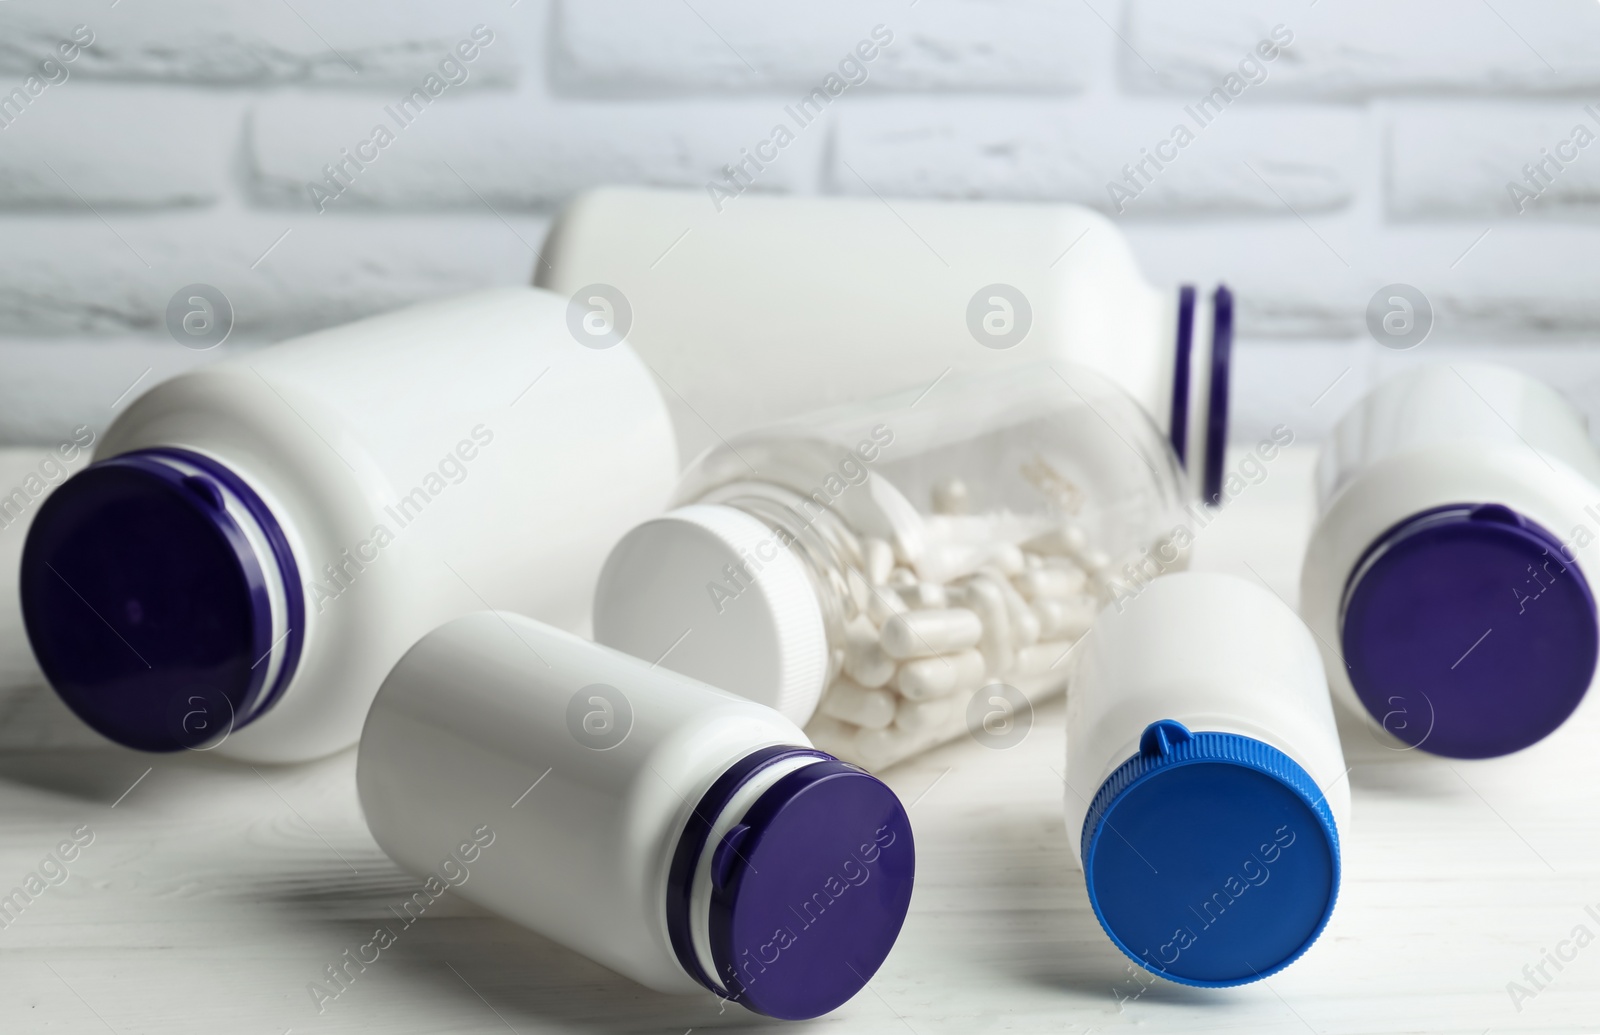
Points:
point(1215, 653)
point(774, 307)
point(532, 454)
point(1439, 435)
point(583, 835)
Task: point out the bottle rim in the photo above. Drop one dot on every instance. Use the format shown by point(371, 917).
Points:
point(169, 549)
point(770, 879)
point(1209, 808)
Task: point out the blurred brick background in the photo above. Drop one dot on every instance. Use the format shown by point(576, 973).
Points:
point(177, 148)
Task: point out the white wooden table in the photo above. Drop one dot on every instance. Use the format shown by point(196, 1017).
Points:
point(213, 894)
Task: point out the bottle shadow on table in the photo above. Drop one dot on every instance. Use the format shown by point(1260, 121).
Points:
point(486, 963)
point(1015, 868)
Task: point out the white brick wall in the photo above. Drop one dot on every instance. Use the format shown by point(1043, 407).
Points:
point(1488, 146)
point(1376, 146)
point(642, 47)
point(1021, 148)
point(1359, 49)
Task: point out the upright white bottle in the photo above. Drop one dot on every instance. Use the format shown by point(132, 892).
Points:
point(1458, 507)
point(763, 307)
point(259, 540)
point(1205, 784)
point(895, 564)
point(684, 837)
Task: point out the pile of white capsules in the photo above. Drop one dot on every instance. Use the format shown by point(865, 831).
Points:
point(979, 612)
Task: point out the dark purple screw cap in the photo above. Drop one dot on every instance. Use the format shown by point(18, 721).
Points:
point(809, 889)
point(1216, 443)
point(1468, 632)
point(147, 605)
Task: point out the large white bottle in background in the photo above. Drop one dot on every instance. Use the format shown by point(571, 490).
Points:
point(684, 837)
point(1459, 508)
point(1206, 792)
point(767, 307)
point(258, 541)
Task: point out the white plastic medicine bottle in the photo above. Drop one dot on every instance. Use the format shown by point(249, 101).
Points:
point(679, 835)
point(764, 308)
point(1458, 512)
point(258, 541)
point(1206, 791)
point(868, 570)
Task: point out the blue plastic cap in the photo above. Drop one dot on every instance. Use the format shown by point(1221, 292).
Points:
point(148, 607)
point(1467, 632)
point(1211, 859)
point(809, 889)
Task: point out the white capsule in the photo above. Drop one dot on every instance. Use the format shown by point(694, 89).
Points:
point(1043, 657)
point(848, 543)
point(950, 496)
point(884, 604)
point(1066, 619)
point(946, 561)
point(1032, 560)
point(1095, 561)
point(917, 717)
point(921, 634)
point(926, 596)
point(849, 701)
point(1024, 623)
point(831, 735)
point(868, 664)
point(1056, 580)
point(985, 597)
point(928, 678)
point(878, 749)
point(879, 558)
point(1007, 557)
point(902, 579)
point(1064, 540)
point(860, 592)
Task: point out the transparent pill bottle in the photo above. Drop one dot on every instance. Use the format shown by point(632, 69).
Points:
point(257, 541)
point(765, 308)
point(896, 573)
point(1206, 791)
point(685, 838)
point(1458, 510)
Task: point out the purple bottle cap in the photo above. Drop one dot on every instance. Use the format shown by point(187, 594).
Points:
point(809, 888)
point(1204, 463)
point(148, 583)
point(1468, 632)
point(1211, 476)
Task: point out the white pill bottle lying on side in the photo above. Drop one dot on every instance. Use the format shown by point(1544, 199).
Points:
point(259, 540)
point(1206, 791)
point(679, 835)
point(894, 573)
point(761, 308)
point(1459, 509)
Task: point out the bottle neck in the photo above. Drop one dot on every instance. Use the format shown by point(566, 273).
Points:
point(702, 856)
point(791, 866)
point(285, 609)
point(824, 545)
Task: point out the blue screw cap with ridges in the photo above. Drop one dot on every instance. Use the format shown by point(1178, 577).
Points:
point(1211, 859)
